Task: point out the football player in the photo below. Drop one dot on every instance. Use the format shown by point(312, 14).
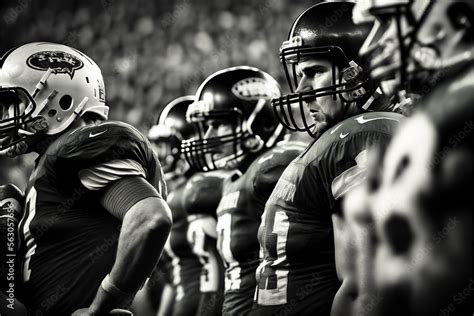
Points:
point(416, 204)
point(166, 138)
point(201, 196)
point(239, 130)
point(95, 220)
point(302, 231)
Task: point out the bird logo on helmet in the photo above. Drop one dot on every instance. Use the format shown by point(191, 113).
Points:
point(46, 85)
point(240, 96)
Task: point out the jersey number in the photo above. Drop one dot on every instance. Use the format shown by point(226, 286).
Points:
point(232, 274)
point(203, 245)
point(273, 283)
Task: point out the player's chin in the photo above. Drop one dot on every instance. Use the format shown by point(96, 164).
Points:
point(320, 122)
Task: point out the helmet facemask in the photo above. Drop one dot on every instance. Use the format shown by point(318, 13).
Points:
point(166, 142)
point(403, 63)
point(233, 118)
point(16, 112)
point(204, 153)
point(166, 136)
point(347, 85)
point(323, 32)
point(58, 84)
point(442, 44)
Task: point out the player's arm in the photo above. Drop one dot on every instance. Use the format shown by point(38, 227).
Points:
point(350, 241)
point(202, 236)
point(149, 298)
point(146, 222)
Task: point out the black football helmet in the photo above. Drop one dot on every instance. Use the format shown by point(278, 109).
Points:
point(170, 130)
point(240, 96)
point(324, 31)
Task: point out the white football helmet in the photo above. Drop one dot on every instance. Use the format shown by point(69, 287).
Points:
point(48, 81)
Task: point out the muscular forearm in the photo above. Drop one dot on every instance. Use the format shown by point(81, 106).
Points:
point(145, 229)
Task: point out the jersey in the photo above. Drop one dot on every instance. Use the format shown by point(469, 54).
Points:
point(201, 196)
point(297, 275)
point(68, 239)
point(238, 218)
point(185, 265)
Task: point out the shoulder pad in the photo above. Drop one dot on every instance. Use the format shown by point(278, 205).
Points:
point(203, 192)
point(92, 145)
point(269, 166)
point(370, 123)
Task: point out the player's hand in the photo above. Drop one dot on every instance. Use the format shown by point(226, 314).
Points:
point(35, 130)
point(115, 312)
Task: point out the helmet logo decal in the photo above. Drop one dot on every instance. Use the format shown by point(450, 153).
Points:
point(255, 88)
point(59, 62)
point(196, 108)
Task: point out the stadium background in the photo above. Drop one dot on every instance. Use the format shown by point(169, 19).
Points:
point(150, 52)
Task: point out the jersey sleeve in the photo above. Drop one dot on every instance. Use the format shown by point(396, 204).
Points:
point(101, 154)
point(344, 164)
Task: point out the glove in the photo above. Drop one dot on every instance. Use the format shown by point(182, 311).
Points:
point(35, 132)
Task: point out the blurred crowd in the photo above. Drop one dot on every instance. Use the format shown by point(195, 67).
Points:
point(151, 51)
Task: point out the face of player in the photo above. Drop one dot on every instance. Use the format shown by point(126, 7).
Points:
point(162, 149)
point(315, 73)
point(164, 153)
point(220, 128)
point(444, 32)
point(11, 104)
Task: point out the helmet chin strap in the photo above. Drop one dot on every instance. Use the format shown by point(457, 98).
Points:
point(231, 161)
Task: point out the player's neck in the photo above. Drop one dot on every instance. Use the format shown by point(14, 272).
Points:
point(351, 111)
point(302, 137)
point(247, 161)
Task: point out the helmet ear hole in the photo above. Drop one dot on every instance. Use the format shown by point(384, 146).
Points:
point(65, 102)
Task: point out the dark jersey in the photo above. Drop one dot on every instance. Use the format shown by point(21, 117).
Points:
point(68, 239)
point(185, 265)
point(298, 274)
point(201, 196)
point(238, 218)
